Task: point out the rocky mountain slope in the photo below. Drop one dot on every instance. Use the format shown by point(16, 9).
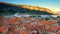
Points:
point(7, 9)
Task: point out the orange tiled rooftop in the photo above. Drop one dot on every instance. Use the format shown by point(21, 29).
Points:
point(19, 25)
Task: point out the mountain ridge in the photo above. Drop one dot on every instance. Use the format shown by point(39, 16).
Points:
point(37, 8)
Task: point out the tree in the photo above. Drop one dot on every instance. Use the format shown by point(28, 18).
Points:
point(47, 18)
point(59, 22)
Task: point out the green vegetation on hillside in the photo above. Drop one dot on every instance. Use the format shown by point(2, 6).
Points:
point(8, 9)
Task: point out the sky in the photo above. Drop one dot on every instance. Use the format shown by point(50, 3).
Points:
point(53, 5)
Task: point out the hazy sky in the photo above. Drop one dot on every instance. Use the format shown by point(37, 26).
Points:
point(54, 5)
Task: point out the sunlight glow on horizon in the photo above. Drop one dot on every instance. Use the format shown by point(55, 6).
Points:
point(54, 9)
